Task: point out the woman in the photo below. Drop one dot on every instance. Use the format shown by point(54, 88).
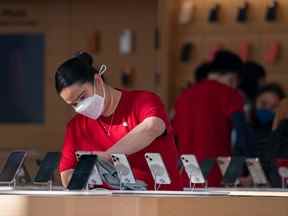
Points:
point(263, 112)
point(112, 121)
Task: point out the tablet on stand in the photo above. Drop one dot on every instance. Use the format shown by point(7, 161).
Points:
point(12, 168)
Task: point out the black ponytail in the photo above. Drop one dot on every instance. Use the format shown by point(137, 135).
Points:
point(78, 69)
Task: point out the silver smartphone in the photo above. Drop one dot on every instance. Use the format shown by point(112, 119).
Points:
point(256, 171)
point(157, 168)
point(123, 168)
point(192, 169)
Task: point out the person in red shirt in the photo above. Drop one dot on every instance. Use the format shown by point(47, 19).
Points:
point(204, 113)
point(113, 121)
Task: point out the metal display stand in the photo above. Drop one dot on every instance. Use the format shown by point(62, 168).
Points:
point(192, 186)
point(20, 172)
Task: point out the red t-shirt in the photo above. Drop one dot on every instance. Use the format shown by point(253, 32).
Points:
point(202, 121)
point(85, 134)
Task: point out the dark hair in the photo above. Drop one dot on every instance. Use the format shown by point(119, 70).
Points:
point(77, 69)
point(201, 71)
point(251, 75)
point(253, 70)
point(226, 62)
point(274, 88)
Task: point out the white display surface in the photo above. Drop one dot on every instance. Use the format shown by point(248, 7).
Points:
point(55, 193)
point(103, 192)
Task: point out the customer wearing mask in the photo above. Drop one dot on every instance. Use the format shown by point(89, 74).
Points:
point(110, 121)
point(263, 112)
point(206, 113)
point(272, 143)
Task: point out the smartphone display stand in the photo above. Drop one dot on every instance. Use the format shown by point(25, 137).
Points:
point(192, 170)
point(94, 174)
point(158, 176)
point(21, 171)
point(158, 170)
point(283, 172)
point(49, 184)
point(12, 183)
point(256, 172)
point(192, 186)
point(123, 183)
point(82, 173)
point(48, 165)
point(124, 171)
point(156, 185)
point(233, 172)
point(159, 173)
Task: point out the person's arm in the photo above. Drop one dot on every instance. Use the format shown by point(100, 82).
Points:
point(140, 137)
point(153, 122)
point(66, 176)
point(68, 159)
point(246, 142)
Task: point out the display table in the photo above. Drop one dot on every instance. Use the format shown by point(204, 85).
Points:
point(230, 202)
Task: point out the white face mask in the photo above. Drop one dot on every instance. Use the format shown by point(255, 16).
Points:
point(93, 106)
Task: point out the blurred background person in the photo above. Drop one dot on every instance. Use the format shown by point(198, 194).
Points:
point(200, 74)
point(262, 113)
point(206, 113)
point(263, 110)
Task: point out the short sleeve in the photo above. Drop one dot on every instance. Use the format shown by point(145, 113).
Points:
point(234, 104)
point(150, 105)
point(68, 158)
